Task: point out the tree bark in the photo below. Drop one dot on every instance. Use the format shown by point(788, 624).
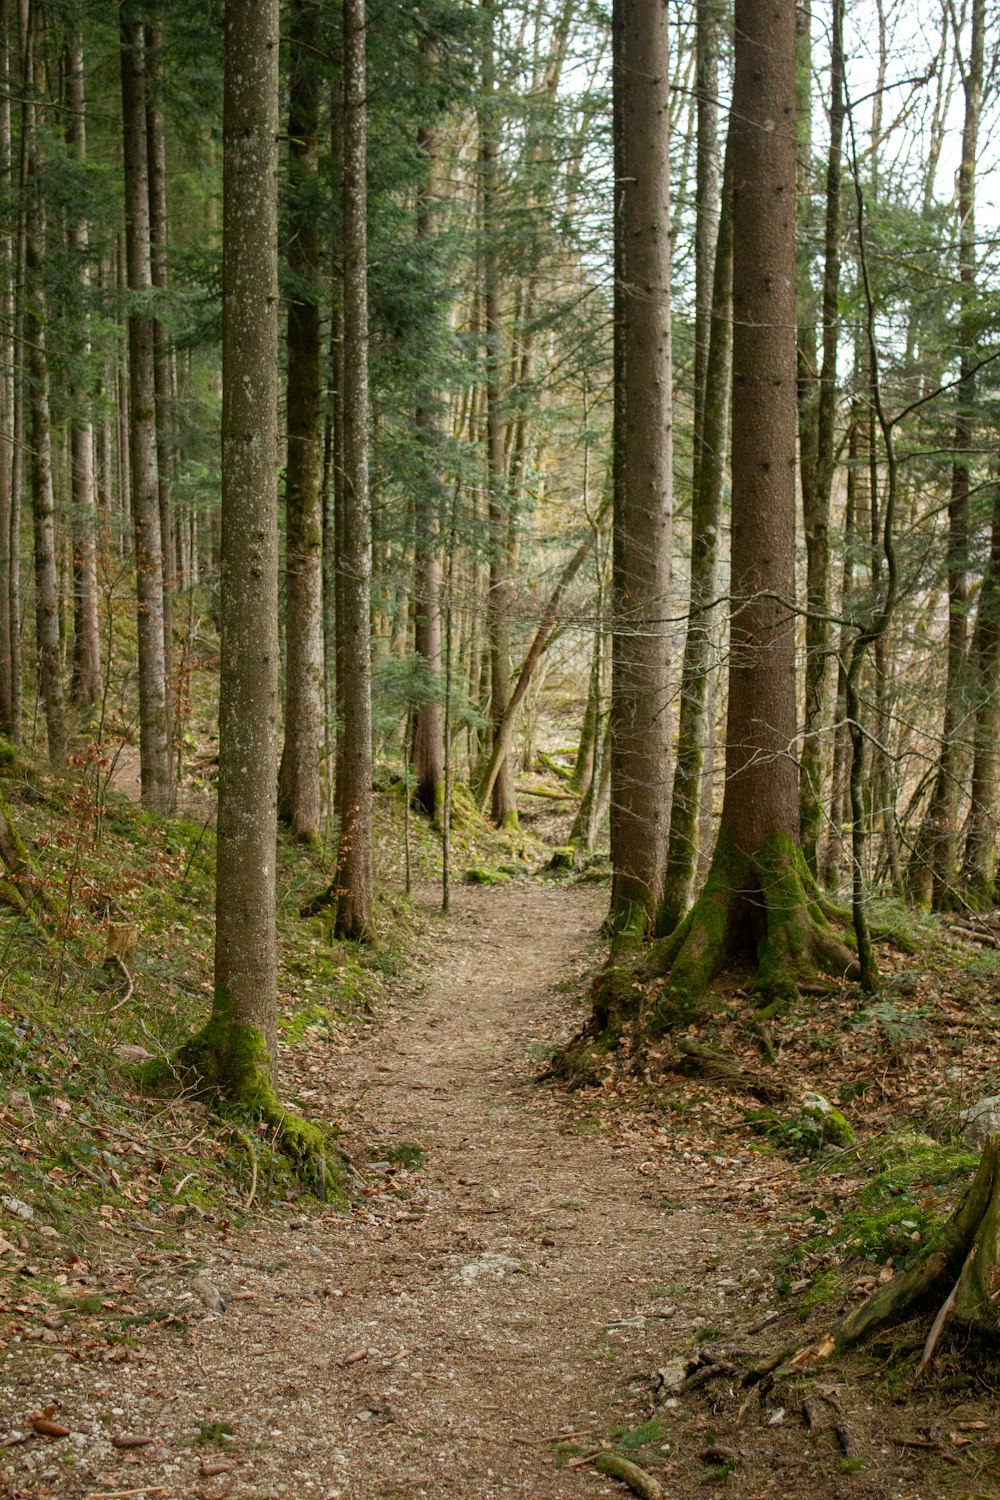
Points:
point(156, 769)
point(86, 678)
point(935, 858)
point(355, 909)
point(817, 493)
point(47, 612)
point(7, 355)
point(163, 381)
point(299, 788)
point(759, 900)
point(428, 719)
point(642, 479)
point(706, 522)
point(504, 804)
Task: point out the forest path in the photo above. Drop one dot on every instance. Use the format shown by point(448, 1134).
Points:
point(434, 1341)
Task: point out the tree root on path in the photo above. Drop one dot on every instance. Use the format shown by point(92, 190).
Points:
point(638, 1481)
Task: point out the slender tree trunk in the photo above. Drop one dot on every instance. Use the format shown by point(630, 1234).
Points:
point(428, 724)
point(979, 873)
point(47, 613)
point(156, 767)
point(938, 846)
point(86, 679)
point(156, 156)
point(299, 788)
point(7, 359)
point(498, 499)
point(706, 522)
point(640, 699)
point(355, 911)
point(817, 493)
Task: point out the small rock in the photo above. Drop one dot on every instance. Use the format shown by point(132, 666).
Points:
point(492, 1263)
point(15, 1206)
point(981, 1120)
point(130, 1052)
point(672, 1375)
point(208, 1293)
point(777, 1417)
point(835, 1128)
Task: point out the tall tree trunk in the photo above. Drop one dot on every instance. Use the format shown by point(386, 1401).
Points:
point(758, 899)
point(42, 499)
point(86, 679)
point(979, 872)
point(935, 858)
point(355, 911)
point(156, 155)
point(428, 713)
point(156, 767)
point(643, 448)
point(236, 1053)
point(7, 361)
point(299, 788)
point(817, 491)
point(498, 499)
point(697, 700)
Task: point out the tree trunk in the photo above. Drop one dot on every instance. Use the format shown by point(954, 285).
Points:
point(428, 724)
point(817, 494)
point(642, 481)
point(759, 900)
point(156, 769)
point(156, 156)
point(504, 804)
point(706, 522)
point(7, 357)
point(355, 911)
point(47, 611)
point(86, 679)
point(299, 788)
point(935, 858)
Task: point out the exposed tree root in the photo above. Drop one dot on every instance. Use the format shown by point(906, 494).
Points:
point(963, 1266)
point(229, 1062)
point(638, 1481)
point(767, 908)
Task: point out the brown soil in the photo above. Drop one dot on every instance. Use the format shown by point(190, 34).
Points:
point(516, 1288)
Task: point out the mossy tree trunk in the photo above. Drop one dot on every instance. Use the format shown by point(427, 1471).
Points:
point(759, 899)
point(235, 1054)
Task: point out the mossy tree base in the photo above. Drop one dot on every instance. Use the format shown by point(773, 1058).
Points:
point(963, 1267)
point(765, 908)
point(228, 1062)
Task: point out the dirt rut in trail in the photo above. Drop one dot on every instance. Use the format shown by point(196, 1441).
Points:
point(434, 1341)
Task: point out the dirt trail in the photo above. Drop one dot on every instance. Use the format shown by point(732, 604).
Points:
point(434, 1341)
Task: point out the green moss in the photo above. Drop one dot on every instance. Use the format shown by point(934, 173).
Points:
point(834, 1129)
point(630, 1439)
point(480, 875)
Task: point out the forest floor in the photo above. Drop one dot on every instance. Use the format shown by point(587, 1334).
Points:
point(525, 1277)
